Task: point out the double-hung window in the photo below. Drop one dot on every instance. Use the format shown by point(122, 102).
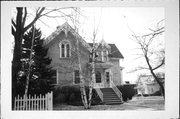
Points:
point(103, 56)
point(76, 77)
point(65, 49)
point(98, 77)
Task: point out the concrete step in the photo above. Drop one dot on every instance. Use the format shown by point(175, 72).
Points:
point(113, 103)
point(110, 97)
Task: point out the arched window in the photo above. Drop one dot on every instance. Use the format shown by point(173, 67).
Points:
point(62, 50)
point(65, 49)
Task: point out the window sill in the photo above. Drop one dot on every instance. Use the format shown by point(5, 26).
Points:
point(64, 57)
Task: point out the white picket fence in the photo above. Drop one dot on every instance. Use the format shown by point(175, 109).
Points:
point(41, 102)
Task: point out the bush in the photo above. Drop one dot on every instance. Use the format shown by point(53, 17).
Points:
point(157, 93)
point(59, 98)
point(72, 95)
point(127, 91)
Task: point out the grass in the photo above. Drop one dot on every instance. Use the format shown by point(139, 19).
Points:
point(152, 103)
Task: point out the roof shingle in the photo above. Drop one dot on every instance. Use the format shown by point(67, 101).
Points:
point(115, 53)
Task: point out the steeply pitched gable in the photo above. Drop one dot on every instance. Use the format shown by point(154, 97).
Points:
point(66, 28)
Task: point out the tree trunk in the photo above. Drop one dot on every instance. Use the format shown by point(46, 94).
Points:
point(154, 75)
point(92, 80)
point(16, 63)
point(29, 69)
point(82, 87)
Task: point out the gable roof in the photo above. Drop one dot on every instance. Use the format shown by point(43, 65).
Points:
point(66, 28)
point(115, 53)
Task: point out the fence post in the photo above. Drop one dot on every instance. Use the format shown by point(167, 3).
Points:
point(46, 105)
point(15, 106)
point(42, 102)
point(51, 100)
point(29, 103)
point(50, 105)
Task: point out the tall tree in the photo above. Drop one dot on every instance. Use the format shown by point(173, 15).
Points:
point(19, 27)
point(35, 75)
point(86, 98)
point(154, 59)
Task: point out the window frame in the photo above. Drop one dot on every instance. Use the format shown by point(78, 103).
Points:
point(98, 81)
point(103, 55)
point(74, 77)
point(65, 51)
point(108, 77)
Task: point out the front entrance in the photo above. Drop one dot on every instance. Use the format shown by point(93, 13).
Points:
point(107, 80)
point(102, 79)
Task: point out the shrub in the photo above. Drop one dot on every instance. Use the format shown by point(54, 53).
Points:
point(59, 98)
point(127, 91)
point(72, 95)
point(95, 98)
point(157, 93)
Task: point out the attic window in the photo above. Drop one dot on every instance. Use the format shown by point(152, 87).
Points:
point(65, 51)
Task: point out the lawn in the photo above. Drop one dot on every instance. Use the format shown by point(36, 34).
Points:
point(137, 103)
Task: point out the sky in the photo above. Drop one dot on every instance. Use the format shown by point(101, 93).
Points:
point(115, 25)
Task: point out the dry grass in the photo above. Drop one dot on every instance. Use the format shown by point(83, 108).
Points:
point(137, 103)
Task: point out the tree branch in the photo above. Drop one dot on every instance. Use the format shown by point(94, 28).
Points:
point(25, 15)
point(38, 15)
point(13, 31)
point(162, 63)
point(53, 10)
point(45, 24)
point(56, 16)
point(13, 23)
point(138, 69)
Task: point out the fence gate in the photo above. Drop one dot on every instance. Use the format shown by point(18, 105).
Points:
point(41, 102)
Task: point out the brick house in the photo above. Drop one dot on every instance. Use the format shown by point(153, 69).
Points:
point(62, 49)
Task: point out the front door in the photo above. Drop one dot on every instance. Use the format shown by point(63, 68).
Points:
point(98, 82)
point(107, 79)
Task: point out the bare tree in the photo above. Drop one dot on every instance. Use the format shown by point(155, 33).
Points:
point(87, 102)
point(93, 76)
point(154, 59)
point(19, 27)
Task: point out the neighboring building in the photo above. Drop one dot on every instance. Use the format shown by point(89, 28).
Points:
point(62, 49)
point(147, 85)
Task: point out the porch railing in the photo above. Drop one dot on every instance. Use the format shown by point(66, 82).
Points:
point(98, 90)
point(116, 90)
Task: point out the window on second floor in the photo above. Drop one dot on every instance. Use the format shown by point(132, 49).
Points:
point(102, 56)
point(105, 56)
point(65, 49)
